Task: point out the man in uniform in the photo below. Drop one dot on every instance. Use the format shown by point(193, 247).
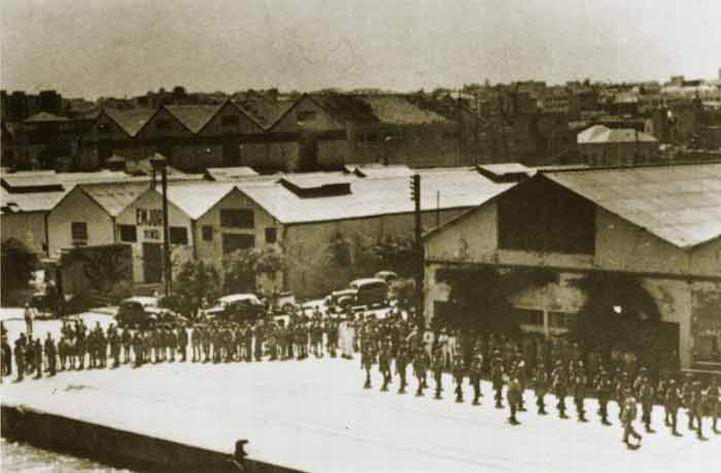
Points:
point(560, 388)
point(114, 342)
point(579, 394)
point(420, 368)
point(475, 371)
point(438, 363)
point(182, 338)
point(126, 340)
point(604, 388)
point(646, 395)
point(367, 360)
point(316, 337)
point(541, 387)
point(672, 403)
point(628, 415)
point(38, 355)
point(712, 403)
point(51, 354)
point(401, 366)
point(384, 364)
point(459, 372)
point(20, 356)
point(696, 408)
point(331, 327)
point(497, 378)
point(513, 396)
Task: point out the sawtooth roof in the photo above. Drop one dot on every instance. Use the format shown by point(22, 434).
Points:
point(194, 117)
point(114, 198)
point(680, 204)
point(131, 120)
point(377, 109)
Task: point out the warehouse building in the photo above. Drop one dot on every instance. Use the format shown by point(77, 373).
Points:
point(659, 226)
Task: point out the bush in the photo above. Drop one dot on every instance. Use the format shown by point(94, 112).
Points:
point(18, 264)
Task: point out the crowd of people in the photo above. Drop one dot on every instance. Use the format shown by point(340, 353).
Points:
point(398, 346)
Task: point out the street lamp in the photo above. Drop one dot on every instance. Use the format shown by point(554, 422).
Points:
point(160, 163)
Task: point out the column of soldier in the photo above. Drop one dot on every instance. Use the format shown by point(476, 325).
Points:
point(79, 347)
point(549, 367)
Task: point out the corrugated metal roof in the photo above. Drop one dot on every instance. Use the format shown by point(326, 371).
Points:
point(196, 198)
point(29, 202)
point(131, 119)
point(115, 197)
point(680, 204)
point(458, 187)
point(376, 109)
point(45, 117)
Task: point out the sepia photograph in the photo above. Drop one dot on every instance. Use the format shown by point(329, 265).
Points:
point(360, 236)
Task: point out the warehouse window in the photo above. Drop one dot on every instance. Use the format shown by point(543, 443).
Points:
point(236, 218)
point(234, 242)
point(271, 235)
point(528, 316)
point(207, 232)
point(178, 235)
point(79, 231)
point(128, 233)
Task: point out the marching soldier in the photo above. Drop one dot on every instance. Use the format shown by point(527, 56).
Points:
point(332, 337)
point(20, 356)
point(560, 388)
point(459, 372)
point(497, 378)
point(475, 372)
point(513, 396)
point(646, 396)
point(672, 403)
point(687, 394)
point(628, 415)
point(384, 364)
point(579, 394)
point(401, 366)
point(541, 382)
point(420, 368)
point(696, 408)
point(51, 354)
point(437, 365)
point(182, 338)
point(712, 403)
point(38, 355)
point(367, 360)
point(604, 388)
point(316, 338)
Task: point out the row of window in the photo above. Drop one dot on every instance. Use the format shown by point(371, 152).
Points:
point(533, 317)
point(177, 236)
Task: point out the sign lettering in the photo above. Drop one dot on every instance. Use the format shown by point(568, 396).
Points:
point(149, 217)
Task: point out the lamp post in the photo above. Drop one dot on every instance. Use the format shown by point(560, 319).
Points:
point(160, 163)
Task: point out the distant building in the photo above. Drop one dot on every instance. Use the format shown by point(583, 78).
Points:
point(603, 146)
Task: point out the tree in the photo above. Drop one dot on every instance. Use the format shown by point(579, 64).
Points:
point(18, 264)
point(196, 281)
point(244, 266)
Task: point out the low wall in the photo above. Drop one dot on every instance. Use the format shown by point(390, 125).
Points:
point(117, 447)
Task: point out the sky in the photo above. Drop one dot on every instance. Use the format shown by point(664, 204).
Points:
point(95, 48)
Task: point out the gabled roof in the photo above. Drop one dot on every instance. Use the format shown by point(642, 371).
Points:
point(680, 204)
point(114, 198)
point(197, 198)
point(130, 120)
point(264, 111)
point(376, 109)
point(603, 134)
point(194, 117)
point(29, 202)
point(44, 117)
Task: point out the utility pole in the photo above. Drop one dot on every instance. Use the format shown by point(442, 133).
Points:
point(416, 196)
point(160, 163)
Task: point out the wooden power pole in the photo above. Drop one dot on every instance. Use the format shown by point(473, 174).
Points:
point(416, 196)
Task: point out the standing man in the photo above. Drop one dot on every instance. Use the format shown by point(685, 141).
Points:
point(712, 403)
point(646, 396)
point(541, 387)
point(29, 315)
point(51, 354)
point(420, 368)
point(438, 363)
point(513, 396)
point(367, 360)
point(579, 394)
point(672, 403)
point(604, 388)
point(20, 356)
point(384, 364)
point(560, 388)
point(459, 372)
point(628, 415)
point(475, 372)
point(401, 366)
point(497, 378)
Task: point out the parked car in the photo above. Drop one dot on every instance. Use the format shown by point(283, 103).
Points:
point(237, 307)
point(388, 276)
point(143, 313)
point(338, 301)
point(370, 291)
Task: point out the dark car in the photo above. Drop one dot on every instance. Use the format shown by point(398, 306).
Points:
point(143, 313)
point(237, 307)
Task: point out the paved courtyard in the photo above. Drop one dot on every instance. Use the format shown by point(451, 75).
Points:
point(314, 415)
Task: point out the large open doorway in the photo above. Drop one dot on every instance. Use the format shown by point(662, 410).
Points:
point(152, 262)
